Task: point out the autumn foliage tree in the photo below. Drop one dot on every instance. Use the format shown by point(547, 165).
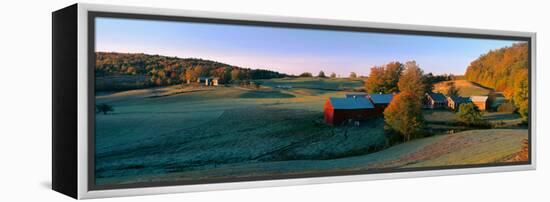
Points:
point(333, 75)
point(520, 97)
point(499, 68)
point(375, 82)
point(353, 75)
point(404, 114)
point(412, 80)
point(193, 73)
point(505, 70)
point(384, 79)
point(236, 75)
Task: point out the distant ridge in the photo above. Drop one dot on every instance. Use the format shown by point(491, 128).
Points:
point(158, 70)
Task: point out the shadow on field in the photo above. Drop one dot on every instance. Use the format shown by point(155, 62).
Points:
point(501, 116)
point(265, 94)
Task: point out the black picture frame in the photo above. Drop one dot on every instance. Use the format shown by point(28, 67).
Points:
point(65, 44)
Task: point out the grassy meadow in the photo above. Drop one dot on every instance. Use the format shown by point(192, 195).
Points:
point(465, 88)
point(192, 132)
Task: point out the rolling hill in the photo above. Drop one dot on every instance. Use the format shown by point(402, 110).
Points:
point(465, 88)
point(464, 148)
point(501, 69)
point(125, 71)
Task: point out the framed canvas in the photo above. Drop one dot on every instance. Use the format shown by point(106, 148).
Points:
point(151, 101)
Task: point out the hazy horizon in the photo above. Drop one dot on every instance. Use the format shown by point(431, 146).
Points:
point(290, 50)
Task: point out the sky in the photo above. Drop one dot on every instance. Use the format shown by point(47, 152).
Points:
point(290, 50)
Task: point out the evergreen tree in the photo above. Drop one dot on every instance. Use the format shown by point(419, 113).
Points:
point(321, 74)
point(468, 113)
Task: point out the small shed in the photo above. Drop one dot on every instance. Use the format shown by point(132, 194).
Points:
point(380, 101)
point(209, 81)
point(480, 101)
point(435, 100)
point(214, 81)
point(339, 110)
point(454, 102)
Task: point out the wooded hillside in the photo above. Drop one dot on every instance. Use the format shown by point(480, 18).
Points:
point(499, 69)
point(162, 70)
point(505, 70)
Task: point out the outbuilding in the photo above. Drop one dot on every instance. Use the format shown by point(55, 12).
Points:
point(340, 110)
point(454, 102)
point(208, 81)
point(480, 101)
point(202, 79)
point(212, 81)
point(435, 100)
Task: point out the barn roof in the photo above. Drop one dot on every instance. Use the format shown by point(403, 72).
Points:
point(438, 97)
point(479, 98)
point(458, 99)
point(381, 98)
point(351, 103)
point(352, 95)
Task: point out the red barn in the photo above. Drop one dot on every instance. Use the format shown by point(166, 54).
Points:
point(339, 110)
point(480, 101)
point(380, 101)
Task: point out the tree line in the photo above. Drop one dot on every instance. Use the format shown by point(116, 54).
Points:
point(321, 74)
point(505, 70)
point(385, 78)
point(163, 70)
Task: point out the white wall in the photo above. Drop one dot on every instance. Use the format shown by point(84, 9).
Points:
point(25, 112)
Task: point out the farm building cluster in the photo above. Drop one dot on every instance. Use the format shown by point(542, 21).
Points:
point(440, 101)
point(207, 81)
point(361, 106)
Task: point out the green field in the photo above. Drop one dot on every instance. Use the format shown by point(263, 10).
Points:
point(189, 132)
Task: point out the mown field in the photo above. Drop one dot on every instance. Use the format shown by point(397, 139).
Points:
point(465, 88)
point(190, 132)
point(465, 148)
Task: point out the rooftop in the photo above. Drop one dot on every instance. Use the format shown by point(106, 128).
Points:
point(438, 97)
point(479, 98)
point(351, 103)
point(381, 98)
point(355, 95)
point(458, 99)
